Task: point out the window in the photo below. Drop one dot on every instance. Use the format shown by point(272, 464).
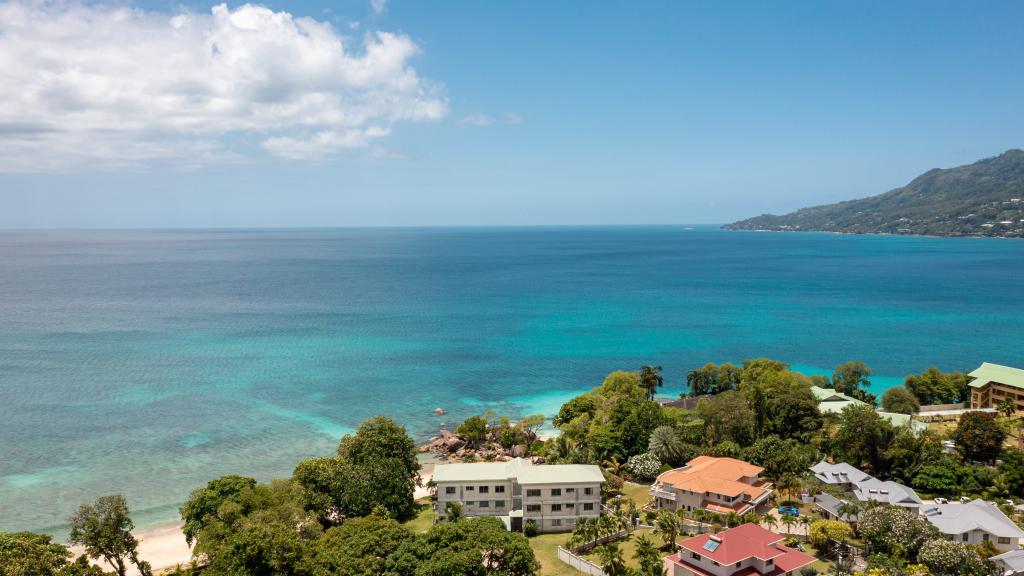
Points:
point(499, 503)
point(449, 489)
point(588, 491)
point(570, 490)
point(532, 492)
point(737, 565)
point(556, 507)
point(485, 504)
point(556, 522)
point(695, 556)
point(769, 562)
point(570, 505)
point(485, 489)
point(556, 491)
point(469, 488)
point(499, 489)
point(965, 536)
point(533, 507)
point(470, 503)
point(588, 506)
point(1003, 540)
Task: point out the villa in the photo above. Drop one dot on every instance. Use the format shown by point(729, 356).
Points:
point(840, 474)
point(721, 485)
point(832, 402)
point(975, 522)
point(887, 492)
point(747, 550)
point(553, 496)
point(993, 383)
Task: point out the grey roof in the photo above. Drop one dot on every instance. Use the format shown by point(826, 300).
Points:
point(956, 518)
point(1013, 560)
point(831, 504)
point(523, 471)
point(840, 473)
point(886, 492)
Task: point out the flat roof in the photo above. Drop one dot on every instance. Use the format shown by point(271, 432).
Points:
point(523, 471)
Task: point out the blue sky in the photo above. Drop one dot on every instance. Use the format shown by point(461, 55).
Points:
point(516, 113)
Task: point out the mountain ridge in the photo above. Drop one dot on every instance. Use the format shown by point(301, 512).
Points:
point(985, 198)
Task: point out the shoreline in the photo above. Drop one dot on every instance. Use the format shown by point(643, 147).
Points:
point(163, 545)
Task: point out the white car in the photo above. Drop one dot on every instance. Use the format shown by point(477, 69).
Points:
point(941, 501)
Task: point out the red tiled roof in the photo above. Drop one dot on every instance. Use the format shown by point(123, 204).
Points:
point(742, 542)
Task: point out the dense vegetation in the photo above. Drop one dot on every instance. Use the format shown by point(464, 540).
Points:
point(343, 514)
point(981, 199)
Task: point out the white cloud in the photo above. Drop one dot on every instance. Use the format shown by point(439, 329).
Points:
point(481, 120)
point(379, 6)
point(103, 86)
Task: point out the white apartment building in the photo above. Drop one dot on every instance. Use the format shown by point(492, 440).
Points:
point(517, 491)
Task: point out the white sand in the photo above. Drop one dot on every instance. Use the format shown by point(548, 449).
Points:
point(164, 546)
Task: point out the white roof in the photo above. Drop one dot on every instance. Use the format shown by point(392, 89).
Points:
point(956, 518)
point(1014, 560)
point(886, 492)
point(523, 471)
point(839, 473)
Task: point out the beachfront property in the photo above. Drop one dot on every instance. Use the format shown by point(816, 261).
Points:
point(746, 550)
point(553, 496)
point(993, 383)
point(975, 522)
point(1010, 563)
point(721, 485)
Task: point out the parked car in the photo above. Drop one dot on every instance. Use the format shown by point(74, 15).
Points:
point(941, 501)
point(789, 511)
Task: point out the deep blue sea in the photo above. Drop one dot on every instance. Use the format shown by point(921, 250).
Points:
point(151, 362)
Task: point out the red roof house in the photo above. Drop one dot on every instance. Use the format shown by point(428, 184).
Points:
point(747, 550)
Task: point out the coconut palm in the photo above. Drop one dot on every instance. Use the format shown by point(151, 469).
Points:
point(805, 521)
point(787, 484)
point(651, 379)
point(612, 561)
point(848, 509)
point(667, 525)
point(613, 466)
point(1006, 407)
point(648, 557)
point(770, 521)
point(700, 516)
point(666, 444)
point(788, 521)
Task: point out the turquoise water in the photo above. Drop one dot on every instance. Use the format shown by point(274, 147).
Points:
point(151, 362)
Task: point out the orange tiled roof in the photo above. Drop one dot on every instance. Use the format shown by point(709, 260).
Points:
point(715, 475)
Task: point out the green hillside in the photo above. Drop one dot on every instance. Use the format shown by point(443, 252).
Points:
point(981, 199)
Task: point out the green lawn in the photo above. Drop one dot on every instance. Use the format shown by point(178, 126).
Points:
point(628, 547)
point(545, 548)
point(640, 493)
point(424, 518)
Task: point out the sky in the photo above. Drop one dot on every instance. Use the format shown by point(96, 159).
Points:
point(408, 113)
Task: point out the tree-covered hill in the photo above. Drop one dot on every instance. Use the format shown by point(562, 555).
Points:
point(981, 199)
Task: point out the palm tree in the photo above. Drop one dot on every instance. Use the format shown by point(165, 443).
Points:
point(848, 509)
point(612, 561)
point(751, 518)
point(733, 519)
point(667, 525)
point(699, 515)
point(787, 483)
point(788, 521)
point(770, 521)
point(1006, 407)
point(805, 521)
point(648, 557)
point(613, 466)
point(700, 380)
point(651, 379)
point(665, 444)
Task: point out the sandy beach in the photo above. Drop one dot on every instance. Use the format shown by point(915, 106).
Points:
point(164, 546)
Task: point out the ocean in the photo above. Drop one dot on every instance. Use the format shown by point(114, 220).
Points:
point(149, 362)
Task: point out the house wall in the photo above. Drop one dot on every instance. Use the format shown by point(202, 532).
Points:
point(990, 394)
point(558, 512)
point(476, 502)
point(710, 566)
point(976, 537)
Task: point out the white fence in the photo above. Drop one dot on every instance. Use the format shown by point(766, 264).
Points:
point(581, 564)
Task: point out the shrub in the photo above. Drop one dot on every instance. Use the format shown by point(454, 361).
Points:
point(530, 528)
point(943, 557)
point(644, 466)
point(895, 530)
point(823, 532)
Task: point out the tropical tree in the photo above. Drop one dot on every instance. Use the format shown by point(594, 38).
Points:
point(733, 519)
point(104, 529)
point(787, 484)
point(978, 436)
point(788, 520)
point(805, 521)
point(648, 557)
point(848, 510)
point(900, 400)
point(666, 445)
point(769, 521)
point(613, 466)
point(612, 561)
point(1007, 407)
point(667, 526)
point(853, 379)
point(651, 379)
